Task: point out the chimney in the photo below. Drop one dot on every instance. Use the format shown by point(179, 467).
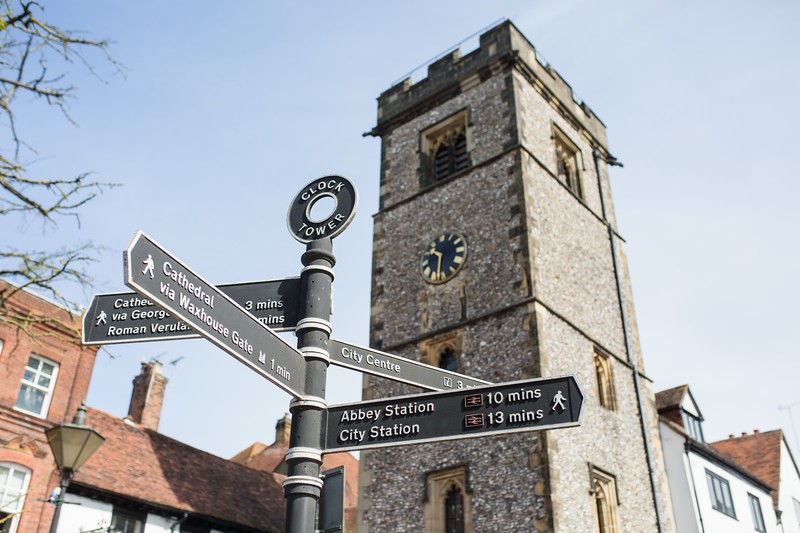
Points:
point(148, 396)
point(283, 428)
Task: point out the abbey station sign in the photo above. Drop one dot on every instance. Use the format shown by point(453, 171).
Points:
point(534, 404)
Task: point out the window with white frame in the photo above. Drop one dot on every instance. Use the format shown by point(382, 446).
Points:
point(37, 386)
point(127, 521)
point(13, 486)
point(758, 516)
point(720, 491)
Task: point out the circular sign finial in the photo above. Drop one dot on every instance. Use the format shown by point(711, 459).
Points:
point(306, 228)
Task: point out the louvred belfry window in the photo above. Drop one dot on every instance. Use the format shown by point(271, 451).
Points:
point(445, 148)
point(451, 157)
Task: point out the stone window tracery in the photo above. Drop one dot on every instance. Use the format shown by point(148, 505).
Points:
point(445, 149)
point(568, 163)
point(605, 379)
point(604, 491)
point(447, 505)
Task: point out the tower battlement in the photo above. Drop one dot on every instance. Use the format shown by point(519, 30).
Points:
point(451, 74)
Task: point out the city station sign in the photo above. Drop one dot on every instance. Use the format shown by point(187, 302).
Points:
point(511, 407)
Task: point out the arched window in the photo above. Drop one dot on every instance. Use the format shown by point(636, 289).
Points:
point(445, 149)
point(447, 502)
point(568, 163)
point(454, 510)
point(448, 360)
point(604, 491)
point(605, 381)
point(13, 486)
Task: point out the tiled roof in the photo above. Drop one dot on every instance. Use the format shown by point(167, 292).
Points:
point(759, 453)
point(146, 466)
point(670, 398)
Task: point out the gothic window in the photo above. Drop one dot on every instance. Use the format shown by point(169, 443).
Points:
point(448, 359)
point(605, 379)
point(445, 148)
point(37, 386)
point(604, 491)
point(13, 485)
point(447, 506)
point(568, 163)
point(444, 351)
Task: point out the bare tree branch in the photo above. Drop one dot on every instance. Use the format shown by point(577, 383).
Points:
point(36, 58)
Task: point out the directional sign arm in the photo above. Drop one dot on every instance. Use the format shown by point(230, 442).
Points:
point(398, 368)
point(124, 317)
point(528, 405)
point(172, 286)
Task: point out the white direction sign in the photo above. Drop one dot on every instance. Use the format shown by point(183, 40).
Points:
point(396, 368)
point(171, 285)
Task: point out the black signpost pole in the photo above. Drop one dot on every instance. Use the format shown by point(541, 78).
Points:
point(303, 485)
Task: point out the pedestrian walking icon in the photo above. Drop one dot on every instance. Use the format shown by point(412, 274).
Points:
point(148, 266)
point(101, 318)
point(558, 402)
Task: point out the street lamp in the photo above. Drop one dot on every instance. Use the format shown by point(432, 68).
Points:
point(72, 445)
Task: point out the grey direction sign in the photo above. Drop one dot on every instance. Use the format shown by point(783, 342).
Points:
point(528, 405)
point(172, 286)
point(128, 317)
point(398, 368)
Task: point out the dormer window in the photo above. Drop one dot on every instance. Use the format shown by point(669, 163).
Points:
point(692, 426)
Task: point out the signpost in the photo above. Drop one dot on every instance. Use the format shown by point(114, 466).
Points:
point(166, 281)
point(173, 302)
point(127, 317)
point(512, 407)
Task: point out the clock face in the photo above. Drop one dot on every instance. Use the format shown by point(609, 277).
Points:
point(443, 257)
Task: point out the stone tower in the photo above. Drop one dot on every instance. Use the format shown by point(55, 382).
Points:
point(496, 255)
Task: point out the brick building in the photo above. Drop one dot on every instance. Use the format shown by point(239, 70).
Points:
point(496, 254)
point(43, 380)
point(138, 478)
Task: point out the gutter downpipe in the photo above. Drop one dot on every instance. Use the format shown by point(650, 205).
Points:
point(623, 317)
point(694, 486)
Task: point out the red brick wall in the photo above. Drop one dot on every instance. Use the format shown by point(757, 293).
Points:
point(22, 439)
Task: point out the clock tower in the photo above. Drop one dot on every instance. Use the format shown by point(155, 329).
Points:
point(496, 255)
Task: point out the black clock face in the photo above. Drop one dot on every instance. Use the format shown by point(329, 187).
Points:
point(443, 257)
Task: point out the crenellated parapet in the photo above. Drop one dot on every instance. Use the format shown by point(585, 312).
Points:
point(500, 47)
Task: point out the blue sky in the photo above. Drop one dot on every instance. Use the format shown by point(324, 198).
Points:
point(227, 109)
